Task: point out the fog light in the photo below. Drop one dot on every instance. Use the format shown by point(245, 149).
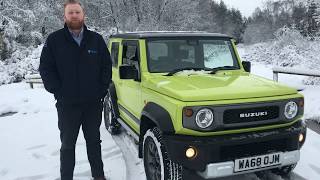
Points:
point(301, 137)
point(191, 152)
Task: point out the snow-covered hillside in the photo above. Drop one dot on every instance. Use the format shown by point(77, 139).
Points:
point(290, 49)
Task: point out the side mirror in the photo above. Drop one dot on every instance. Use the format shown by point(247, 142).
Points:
point(247, 66)
point(128, 72)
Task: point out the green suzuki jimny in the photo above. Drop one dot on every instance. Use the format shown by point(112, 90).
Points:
point(195, 110)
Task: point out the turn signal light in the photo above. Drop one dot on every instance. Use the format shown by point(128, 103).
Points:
point(301, 103)
point(188, 112)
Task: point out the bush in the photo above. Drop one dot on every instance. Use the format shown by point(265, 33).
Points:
point(289, 49)
point(22, 62)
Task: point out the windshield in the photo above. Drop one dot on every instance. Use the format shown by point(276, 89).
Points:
point(165, 55)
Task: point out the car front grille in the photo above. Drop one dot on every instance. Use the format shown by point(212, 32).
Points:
point(233, 116)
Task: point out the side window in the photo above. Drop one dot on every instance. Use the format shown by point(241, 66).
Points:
point(114, 53)
point(130, 54)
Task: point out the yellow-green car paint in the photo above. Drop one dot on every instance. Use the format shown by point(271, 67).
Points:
point(173, 93)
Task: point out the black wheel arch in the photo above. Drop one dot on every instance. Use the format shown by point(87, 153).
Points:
point(153, 115)
point(159, 116)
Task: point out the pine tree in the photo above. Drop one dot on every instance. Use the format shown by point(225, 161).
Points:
point(311, 27)
point(299, 12)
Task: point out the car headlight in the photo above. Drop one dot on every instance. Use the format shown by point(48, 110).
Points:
point(204, 118)
point(291, 110)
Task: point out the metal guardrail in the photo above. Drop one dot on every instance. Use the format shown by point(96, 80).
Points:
point(277, 70)
point(33, 79)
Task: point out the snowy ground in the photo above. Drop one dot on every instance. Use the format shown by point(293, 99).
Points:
point(29, 138)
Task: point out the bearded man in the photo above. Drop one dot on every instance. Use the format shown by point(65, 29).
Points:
point(75, 66)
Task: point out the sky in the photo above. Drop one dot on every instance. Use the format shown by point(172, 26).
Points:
point(246, 7)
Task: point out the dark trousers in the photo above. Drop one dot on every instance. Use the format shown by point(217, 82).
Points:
point(70, 118)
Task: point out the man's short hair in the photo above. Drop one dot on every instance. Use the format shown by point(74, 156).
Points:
point(66, 2)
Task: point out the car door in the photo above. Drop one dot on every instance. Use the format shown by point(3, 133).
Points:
point(129, 90)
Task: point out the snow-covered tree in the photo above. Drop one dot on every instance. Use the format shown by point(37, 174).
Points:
point(312, 22)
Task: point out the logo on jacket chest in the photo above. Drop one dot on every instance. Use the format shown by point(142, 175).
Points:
point(92, 51)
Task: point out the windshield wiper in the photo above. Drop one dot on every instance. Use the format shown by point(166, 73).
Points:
point(215, 70)
point(187, 68)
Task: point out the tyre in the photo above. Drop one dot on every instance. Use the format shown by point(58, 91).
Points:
point(110, 118)
point(157, 164)
point(284, 171)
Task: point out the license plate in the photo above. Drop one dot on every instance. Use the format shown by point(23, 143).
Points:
point(256, 162)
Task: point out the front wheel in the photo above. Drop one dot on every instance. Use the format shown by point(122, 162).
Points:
point(157, 164)
point(110, 119)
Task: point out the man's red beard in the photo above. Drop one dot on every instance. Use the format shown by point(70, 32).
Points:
point(75, 24)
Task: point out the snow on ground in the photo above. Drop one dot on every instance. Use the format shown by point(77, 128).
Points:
point(29, 138)
point(134, 165)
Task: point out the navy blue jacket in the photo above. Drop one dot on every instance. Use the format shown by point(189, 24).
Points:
point(73, 73)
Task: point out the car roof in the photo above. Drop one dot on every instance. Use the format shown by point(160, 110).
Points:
point(169, 34)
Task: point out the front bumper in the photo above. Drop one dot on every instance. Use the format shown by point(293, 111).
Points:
point(219, 152)
point(223, 169)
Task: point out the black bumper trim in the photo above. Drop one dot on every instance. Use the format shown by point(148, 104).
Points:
point(223, 148)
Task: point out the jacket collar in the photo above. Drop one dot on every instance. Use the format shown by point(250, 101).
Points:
point(80, 35)
point(70, 38)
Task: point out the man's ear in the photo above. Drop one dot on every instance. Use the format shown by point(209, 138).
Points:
point(84, 14)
